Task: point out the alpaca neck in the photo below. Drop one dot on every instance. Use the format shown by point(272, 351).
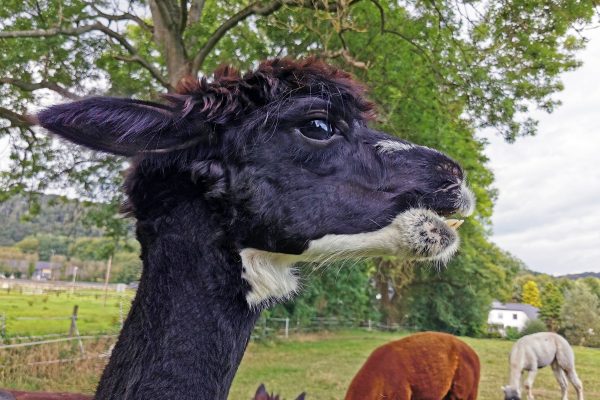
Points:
point(189, 323)
point(516, 369)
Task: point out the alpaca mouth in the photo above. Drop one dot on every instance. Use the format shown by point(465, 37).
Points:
point(452, 219)
point(454, 223)
point(431, 234)
point(419, 233)
point(423, 235)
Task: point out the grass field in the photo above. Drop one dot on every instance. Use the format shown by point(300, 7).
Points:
point(320, 364)
point(323, 366)
point(37, 314)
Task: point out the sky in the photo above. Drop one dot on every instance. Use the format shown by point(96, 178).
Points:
point(548, 208)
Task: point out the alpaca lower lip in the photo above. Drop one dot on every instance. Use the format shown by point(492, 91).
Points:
point(454, 223)
point(425, 235)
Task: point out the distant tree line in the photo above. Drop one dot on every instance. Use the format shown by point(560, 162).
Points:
point(70, 233)
point(570, 307)
point(89, 254)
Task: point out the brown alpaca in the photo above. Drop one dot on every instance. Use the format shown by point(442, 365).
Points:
point(427, 365)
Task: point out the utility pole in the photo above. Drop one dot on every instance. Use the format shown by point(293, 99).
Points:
point(108, 266)
point(74, 278)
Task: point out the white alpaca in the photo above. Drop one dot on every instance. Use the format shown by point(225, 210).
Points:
point(536, 351)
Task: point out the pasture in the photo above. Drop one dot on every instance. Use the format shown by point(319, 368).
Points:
point(49, 313)
point(324, 364)
point(321, 364)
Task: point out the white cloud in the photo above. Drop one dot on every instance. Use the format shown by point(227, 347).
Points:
point(548, 210)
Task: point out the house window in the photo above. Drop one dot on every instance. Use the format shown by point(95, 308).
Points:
point(514, 316)
point(499, 315)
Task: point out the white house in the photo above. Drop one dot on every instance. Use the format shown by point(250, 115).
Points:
point(513, 315)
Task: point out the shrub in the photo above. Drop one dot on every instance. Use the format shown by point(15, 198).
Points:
point(512, 333)
point(580, 315)
point(534, 326)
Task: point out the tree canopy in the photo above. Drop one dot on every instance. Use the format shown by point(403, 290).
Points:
point(485, 63)
point(531, 294)
point(552, 303)
point(438, 70)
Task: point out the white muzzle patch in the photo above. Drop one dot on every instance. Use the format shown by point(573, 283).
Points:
point(390, 146)
point(417, 234)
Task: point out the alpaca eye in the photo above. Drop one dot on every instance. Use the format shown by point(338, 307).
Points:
point(317, 129)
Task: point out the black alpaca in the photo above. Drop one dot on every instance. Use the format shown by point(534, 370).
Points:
point(232, 181)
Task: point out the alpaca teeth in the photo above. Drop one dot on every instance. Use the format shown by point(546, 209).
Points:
point(454, 223)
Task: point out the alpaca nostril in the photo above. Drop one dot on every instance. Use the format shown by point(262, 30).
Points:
point(450, 168)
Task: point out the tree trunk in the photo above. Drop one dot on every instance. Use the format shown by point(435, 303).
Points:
point(167, 34)
point(397, 275)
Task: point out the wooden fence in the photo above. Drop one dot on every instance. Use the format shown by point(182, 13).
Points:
point(266, 328)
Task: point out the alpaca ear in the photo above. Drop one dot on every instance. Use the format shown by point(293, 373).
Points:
point(122, 126)
point(261, 393)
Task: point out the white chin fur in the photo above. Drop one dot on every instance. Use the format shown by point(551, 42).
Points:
point(466, 201)
point(271, 276)
point(417, 234)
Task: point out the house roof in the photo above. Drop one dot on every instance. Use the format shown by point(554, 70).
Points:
point(528, 309)
point(46, 265)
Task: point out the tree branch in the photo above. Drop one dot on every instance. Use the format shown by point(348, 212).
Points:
point(135, 55)
point(97, 26)
point(16, 119)
point(195, 12)
point(144, 63)
point(253, 9)
point(348, 58)
point(419, 49)
point(183, 15)
point(30, 87)
point(122, 17)
point(256, 9)
point(49, 32)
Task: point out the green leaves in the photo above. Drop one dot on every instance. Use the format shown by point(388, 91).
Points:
point(437, 70)
point(340, 289)
point(552, 302)
point(457, 299)
point(581, 316)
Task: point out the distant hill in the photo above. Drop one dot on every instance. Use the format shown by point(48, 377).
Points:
point(582, 275)
point(58, 216)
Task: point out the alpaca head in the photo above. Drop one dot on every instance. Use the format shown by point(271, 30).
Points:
point(262, 394)
point(511, 393)
point(285, 155)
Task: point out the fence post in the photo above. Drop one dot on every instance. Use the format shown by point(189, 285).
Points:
point(287, 327)
point(73, 330)
point(369, 329)
point(73, 327)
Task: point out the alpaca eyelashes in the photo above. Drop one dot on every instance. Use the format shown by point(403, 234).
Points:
point(318, 129)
